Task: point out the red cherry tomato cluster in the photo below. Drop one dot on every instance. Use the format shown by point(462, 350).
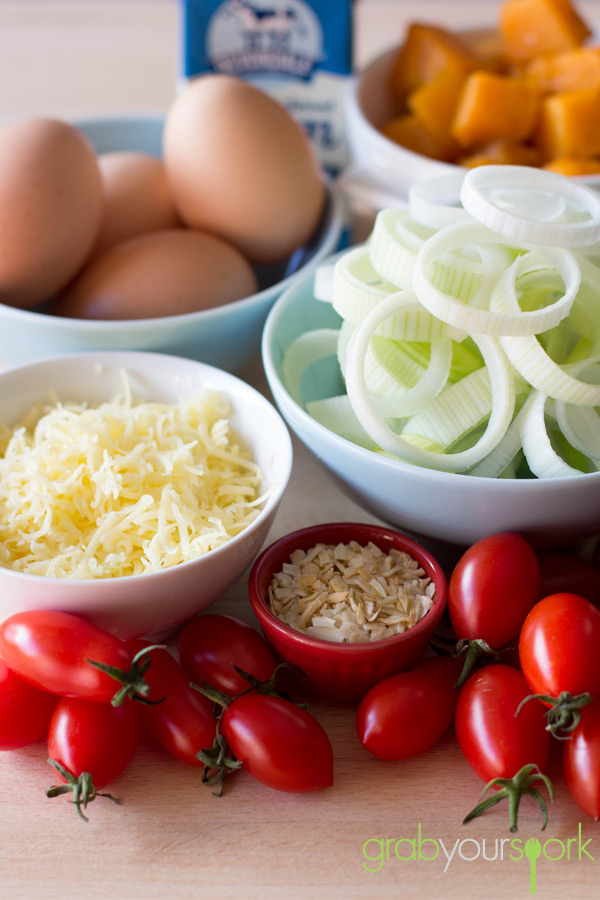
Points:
point(502, 593)
point(64, 678)
point(79, 686)
point(215, 706)
point(274, 740)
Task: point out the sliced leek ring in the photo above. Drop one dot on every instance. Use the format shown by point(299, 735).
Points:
point(501, 285)
point(580, 229)
point(393, 250)
point(358, 290)
point(502, 406)
point(541, 457)
point(303, 352)
point(436, 202)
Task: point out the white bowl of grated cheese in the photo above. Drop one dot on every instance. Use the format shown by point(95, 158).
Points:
point(135, 488)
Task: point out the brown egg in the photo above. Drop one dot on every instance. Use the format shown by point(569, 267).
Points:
point(50, 208)
point(160, 274)
point(240, 166)
point(136, 197)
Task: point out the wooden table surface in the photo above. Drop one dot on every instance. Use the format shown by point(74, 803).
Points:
point(169, 837)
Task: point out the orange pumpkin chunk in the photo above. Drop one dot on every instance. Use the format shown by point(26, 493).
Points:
point(571, 70)
point(508, 153)
point(487, 45)
point(408, 131)
point(570, 125)
point(428, 50)
point(530, 27)
point(434, 104)
point(495, 107)
point(574, 165)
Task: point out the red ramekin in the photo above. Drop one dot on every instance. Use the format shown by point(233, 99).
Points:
point(344, 671)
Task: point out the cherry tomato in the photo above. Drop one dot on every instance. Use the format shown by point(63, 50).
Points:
point(51, 649)
point(25, 711)
point(184, 722)
point(566, 572)
point(559, 646)
point(492, 588)
point(279, 744)
point(406, 714)
point(93, 737)
point(581, 761)
point(211, 645)
point(495, 742)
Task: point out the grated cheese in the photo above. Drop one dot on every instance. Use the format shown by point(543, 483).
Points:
point(124, 488)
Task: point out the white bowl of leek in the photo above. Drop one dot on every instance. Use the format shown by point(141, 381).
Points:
point(447, 371)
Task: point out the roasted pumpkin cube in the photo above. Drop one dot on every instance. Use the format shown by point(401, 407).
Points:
point(426, 51)
point(487, 45)
point(434, 105)
point(570, 125)
point(506, 153)
point(410, 133)
point(494, 107)
point(531, 27)
point(570, 70)
point(574, 165)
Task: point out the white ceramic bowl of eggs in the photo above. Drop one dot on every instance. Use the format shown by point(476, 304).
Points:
point(171, 234)
point(163, 595)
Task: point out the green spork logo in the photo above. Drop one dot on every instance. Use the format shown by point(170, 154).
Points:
point(533, 850)
point(379, 852)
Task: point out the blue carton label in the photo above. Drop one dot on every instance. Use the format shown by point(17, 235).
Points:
point(299, 52)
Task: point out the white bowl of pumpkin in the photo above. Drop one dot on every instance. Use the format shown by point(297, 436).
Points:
point(524, 93)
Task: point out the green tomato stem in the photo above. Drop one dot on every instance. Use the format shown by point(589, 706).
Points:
point(522, 784)
point(82, 788)
point(133, 682)
point(477, 653)
point(564, 715)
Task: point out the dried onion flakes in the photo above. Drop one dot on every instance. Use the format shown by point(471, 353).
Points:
point(350, 593)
